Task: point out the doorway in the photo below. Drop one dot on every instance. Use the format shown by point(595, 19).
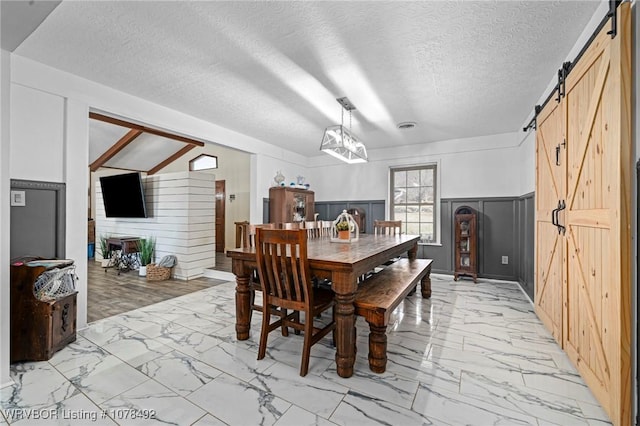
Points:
point(220, 215)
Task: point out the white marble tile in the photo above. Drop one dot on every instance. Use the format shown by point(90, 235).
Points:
point(236, 402)
point(235, 361)
point(296, 416)
point(203, 323)
point(288, 350)
point(106, 379)
point(152, 403)
point(457, 409)
point(77, 411)
point(487, 365)
point(188, 341)
point(386, 386)
point(209, 420)
point(472, 354)
point(360, 409)
point(105, 331)
point(543, 405)
point(180, 373)
point(559, 382)
point(81, 353)
point(36, 385)
point(143, 322)
point(136, 349)
point(594, 414)
point(311, 392)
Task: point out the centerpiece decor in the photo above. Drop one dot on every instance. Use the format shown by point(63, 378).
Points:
point(344, 229)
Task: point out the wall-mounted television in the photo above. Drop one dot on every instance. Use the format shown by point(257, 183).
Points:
point(123, 195)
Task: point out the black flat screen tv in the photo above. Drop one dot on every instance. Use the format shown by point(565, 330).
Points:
point(123, 195)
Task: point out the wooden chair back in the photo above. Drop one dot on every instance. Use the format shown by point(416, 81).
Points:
point(324, 228)
point(312, 229)
point(387, 227)
point(283, 268)
point(290, 225)
point(251, 232)
point(241, 233)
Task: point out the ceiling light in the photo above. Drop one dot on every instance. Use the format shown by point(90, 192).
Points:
point(340, 142)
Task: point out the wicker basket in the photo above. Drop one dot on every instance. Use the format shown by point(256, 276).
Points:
point(157, 273)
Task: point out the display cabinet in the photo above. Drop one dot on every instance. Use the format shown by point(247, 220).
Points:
point(290, 204)
point(466, 243)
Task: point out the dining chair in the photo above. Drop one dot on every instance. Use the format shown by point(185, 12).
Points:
point(249, 240)
point(387, 227)
point(312, 229)
point(324, 227)
point(285, 275)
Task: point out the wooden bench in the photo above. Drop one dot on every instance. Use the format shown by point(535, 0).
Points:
point(380, 294)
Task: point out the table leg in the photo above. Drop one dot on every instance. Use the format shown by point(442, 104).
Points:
point(243, 306)
point(344, 287)
point(425, 285)
point(413, 252)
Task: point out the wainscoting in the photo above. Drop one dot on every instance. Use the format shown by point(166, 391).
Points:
point(505, 228)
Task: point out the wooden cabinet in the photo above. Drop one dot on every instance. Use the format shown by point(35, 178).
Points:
point(290, 205)
point(466, 243)
point(38, 328)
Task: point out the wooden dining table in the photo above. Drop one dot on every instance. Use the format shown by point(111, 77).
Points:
point(342, 264)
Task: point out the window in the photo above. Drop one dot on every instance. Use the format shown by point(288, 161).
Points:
point(414, 200)
point(203, 162)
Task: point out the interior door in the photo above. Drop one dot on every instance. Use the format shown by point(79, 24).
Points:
point(550, 184)
point(220, 215)
point(598, 198)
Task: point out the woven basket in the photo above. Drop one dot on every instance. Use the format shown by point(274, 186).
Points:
point(157, 273)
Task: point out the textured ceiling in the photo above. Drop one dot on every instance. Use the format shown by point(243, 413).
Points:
point(272, 70)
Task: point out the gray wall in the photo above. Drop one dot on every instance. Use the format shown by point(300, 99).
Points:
point(505, 228)
point(38, 227)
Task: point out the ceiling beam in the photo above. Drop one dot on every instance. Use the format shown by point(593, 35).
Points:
point(171, 159)
point(115, 148)
point(118, 122)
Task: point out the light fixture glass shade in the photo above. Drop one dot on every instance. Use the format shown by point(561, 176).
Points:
point(339, 142)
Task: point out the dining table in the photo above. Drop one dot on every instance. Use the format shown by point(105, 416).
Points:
point(342, 264)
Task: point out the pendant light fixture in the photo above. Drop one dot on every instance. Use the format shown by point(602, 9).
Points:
point(340, 142)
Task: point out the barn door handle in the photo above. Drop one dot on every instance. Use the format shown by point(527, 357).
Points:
point(563, 144)
point(561, 206)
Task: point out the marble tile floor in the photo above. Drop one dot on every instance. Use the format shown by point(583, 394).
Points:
point(474, 354)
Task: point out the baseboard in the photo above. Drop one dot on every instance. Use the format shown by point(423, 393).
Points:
point(219, 275)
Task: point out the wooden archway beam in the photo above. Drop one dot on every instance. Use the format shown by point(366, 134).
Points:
point(115, 148)
point(171, 159)
point(118, 122)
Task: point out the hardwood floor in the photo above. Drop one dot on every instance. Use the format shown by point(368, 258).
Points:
point(111, 294)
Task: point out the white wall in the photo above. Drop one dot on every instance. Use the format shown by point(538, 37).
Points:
point(181, 209)
point(233, 168)
point(527, 161)
point(5, 85)
point(485, 166)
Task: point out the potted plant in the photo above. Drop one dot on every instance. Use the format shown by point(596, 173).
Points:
point(104, 250)
point(146, 249)
point(343, 229)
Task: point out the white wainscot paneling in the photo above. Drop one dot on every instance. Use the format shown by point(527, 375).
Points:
point(181, 209)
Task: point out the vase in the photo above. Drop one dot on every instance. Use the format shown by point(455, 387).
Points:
point(105, 262)
point(142, 271)
point(343, 235)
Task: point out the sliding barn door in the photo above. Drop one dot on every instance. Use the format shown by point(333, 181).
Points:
point(587, 270)
point(550, 184)
point(598, 307)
